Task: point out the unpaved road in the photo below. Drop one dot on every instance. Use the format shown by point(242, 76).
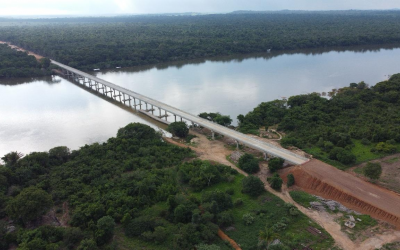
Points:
point(38, 57)
point(216, 151)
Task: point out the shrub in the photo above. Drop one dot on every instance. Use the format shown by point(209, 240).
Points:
point(179, 129)
point(275, 164)
point(248, 219)
point(365, 141)
point(275, 181)
point(252, 186)
point(238, 202)
point(373, 170)
point(290, 180)
point(225, 219)
point(248, 163)
point(385, 147)
point(230, 191)
point(105, 230)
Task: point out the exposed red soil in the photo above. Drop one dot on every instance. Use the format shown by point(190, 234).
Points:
point(324, 180)
point(225, 237)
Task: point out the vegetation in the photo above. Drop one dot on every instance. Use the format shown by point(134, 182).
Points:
point(275, 164)
point(302, 197)
point(373, 170)
point(290, 180)
point(179, 129)
point(249, 163)
point(19, 64)
point(224, 120)
point(252, 186)
point(98, 42)
point(355, 124)
point(275, 181)
point(136, 190)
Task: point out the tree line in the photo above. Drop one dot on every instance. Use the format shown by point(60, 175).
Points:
point(331, 127)
point(19, 64)
point(88, 43)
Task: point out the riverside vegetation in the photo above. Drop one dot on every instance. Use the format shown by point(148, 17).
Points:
point(356, 124)
point(136, 191)
point(19, 64)
point(100, 42)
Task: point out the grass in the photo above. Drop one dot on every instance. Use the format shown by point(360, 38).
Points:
point(363, 152)
point(392, 160)
point(366, 222)
point(302, 198)
point(267, 210)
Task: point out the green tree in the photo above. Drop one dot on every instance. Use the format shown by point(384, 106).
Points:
point(252, 186)
point(11, 158)
point(249, 163)
point(87, 244)
point(31, 203)
point(179, 129)
point(45, 62)
point(373, 170)
point(105, 230)
point(275, 164)
point(275, 181)
point(290, 180)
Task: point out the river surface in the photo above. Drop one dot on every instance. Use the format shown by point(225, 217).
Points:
point(42, 113)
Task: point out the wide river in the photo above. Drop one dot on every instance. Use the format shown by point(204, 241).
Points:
point(39, 114)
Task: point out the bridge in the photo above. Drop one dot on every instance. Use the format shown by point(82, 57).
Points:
point(150, 106)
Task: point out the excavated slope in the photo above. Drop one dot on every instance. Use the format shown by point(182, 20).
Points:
point(324, 180)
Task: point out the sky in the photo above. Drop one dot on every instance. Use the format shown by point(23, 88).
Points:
point(116, 7)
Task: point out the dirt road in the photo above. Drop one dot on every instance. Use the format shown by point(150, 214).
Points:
point(38, 57)
point(216, 151)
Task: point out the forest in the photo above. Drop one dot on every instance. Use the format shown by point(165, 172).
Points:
point(345, 126)
point(137, 191)
point(19, 64)
point(124, 41)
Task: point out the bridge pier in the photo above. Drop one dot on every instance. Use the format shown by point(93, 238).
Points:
point(212, 135)
point(237, 145)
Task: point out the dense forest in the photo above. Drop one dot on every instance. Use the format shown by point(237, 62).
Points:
point(354, 124)
point(19, 64)
point(137, 192)
point(88, 43)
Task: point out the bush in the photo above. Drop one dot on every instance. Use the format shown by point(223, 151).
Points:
point(248, 219)
point(365, 141)
point(179, 129)
point(275, 164)
point(248, 163)
point(225, 219)
point(105, 230)
point(373, 170)
point(290, 180)
point(252, 186)
point(342, 155)
point(238, 202)
point(385, 147)
point(275, 182)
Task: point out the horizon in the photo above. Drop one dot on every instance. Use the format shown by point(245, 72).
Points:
point(23, 8)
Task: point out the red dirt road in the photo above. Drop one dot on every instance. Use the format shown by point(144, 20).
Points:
point(321, 179)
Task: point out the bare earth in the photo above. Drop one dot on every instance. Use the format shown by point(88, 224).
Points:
point(216, 151)
point(390, 177)
point(38, 57)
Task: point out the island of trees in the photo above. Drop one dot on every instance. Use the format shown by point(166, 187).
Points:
point(88, 43)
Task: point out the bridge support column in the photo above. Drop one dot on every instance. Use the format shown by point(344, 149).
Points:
point(166, 116)
point(175, 117)
point(265, 156)
point(237, 145)
point(152, 109)
point(212, 135)
point(134, 102)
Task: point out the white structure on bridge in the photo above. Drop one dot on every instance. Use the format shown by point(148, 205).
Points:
point(147, 105)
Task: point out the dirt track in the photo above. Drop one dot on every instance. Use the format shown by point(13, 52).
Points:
point(216, 151)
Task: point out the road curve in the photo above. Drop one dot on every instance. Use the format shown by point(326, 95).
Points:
point(240, 137)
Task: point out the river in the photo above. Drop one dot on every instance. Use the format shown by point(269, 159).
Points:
point(42, 113)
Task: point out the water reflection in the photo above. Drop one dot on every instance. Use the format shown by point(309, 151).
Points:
point(50, 112)
point(17, 81)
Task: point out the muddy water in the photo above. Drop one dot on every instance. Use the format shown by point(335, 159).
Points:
point(38, 114)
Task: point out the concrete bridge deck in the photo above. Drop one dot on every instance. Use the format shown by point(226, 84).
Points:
point(240, 137)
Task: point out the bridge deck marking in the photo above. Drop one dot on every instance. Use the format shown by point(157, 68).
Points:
point(242, 138)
